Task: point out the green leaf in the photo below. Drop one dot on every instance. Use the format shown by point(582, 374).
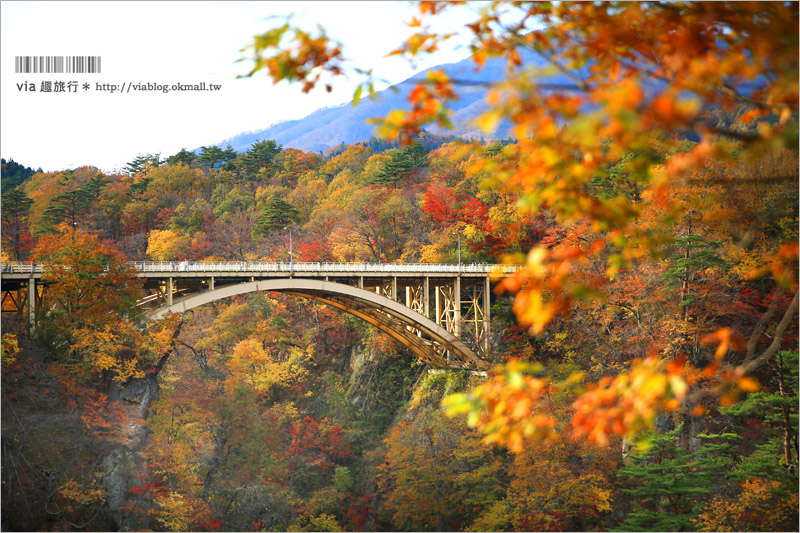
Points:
point(515, 380)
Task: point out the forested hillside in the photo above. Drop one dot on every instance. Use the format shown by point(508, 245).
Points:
point(645, 355)
point(276, 413)
point(13, 174)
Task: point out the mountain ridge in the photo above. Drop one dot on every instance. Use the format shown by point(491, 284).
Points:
point(346, 123)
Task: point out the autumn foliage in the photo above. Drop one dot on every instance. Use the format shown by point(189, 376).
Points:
point(645, 353)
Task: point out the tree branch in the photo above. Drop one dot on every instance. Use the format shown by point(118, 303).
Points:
point(751, 363)
point(752, 342)
point(165, 357)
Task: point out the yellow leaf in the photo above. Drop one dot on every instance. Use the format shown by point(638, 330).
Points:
point(515, 441)
point(488, 121)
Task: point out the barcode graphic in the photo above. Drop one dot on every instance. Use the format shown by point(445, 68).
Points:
point(57, 64)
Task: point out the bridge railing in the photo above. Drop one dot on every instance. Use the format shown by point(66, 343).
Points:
point(28, 267)
point(313, 267)
point(22, 267)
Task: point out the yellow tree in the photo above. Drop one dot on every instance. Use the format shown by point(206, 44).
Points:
point(92, 293)
point(168, 245)
point(561, 486)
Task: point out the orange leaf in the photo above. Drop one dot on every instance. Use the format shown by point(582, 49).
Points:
point(749, 384)
point(727, 339)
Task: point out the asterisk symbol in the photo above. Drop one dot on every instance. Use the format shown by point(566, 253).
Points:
point(85, 86)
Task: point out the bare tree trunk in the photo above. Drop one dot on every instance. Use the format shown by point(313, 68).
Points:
point(788, 433)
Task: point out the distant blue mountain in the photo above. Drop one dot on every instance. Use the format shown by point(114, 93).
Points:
point(346, 123)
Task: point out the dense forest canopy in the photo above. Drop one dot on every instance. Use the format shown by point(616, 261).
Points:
point(14, 174)
point(646, 355)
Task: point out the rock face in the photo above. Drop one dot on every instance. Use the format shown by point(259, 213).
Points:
point(363, 364)
point(126, 463)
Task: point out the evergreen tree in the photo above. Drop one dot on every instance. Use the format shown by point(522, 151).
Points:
point(70, 206)
point(16, 238)
point(277, 214)
point(402, 163)
point(260, 155)
point(229, 154)
point(15, 202)
point(670, 485)
point(183, 157)
point(620, 179)
point(66, 207)
point(417, 154)
point(695, 254)
point(140, 162)
point(95, 185)
point(140, 186)
point(775, 410)
point(494, 149)
point(210, 156)
point(13, 174)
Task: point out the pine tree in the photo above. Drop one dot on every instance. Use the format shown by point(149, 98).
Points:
point(417, 154)
point(260, 155)
point(670, 485)
point(15, 207)
point(277, 214)
point(95, 185)
point(229, 155)
point(210, 156)
point(402, 163)
point(14, 174)
point(183, 157)
point(140, 162)
point(71, 205)
point(696, 254)
point(775, 411)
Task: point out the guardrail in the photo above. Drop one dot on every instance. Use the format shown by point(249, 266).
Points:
point(22, 268)
point(283, 266)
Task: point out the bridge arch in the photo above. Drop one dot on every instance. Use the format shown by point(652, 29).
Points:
point(428, 340)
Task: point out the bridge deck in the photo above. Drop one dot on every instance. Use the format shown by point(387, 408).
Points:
point(147, 269)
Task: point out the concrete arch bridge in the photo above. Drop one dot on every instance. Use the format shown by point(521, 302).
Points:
point(439, 311)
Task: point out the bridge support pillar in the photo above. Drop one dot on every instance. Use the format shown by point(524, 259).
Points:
point(457, 306)
point(31, 306)
point(438, 297)
point(395, 296)
point(487, 314)
point(211, 283)
point(427, 296)
point(169, 291)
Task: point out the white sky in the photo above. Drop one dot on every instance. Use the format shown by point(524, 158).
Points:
point(171, 42)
